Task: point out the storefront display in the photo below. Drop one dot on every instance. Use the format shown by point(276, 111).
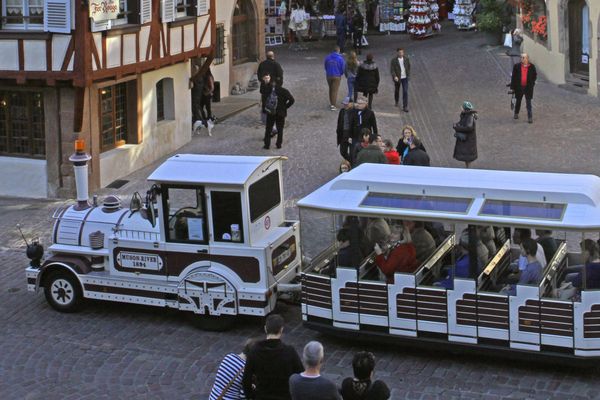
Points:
point(391, 16)
point(424, 18)
point(463, 14)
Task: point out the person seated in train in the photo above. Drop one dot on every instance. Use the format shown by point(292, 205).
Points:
point(437, 231)
point(356, 238)
point(377, 230)
point(519, 266)
point(423, 241)
point(532, 274)
point(487, 236)
point(397, 254)
point(547, 242)
point(344, 253)
point(590, 252)
point(462, 265)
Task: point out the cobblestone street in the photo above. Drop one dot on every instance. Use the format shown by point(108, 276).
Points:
point(125, 351)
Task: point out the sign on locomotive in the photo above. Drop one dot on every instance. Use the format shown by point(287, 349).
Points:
point(413, 254)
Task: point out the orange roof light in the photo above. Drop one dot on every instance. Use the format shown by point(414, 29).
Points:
point(79, 145)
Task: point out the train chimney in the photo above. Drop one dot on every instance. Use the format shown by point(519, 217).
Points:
point(80, 159)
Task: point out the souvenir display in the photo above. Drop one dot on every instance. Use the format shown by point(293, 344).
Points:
point(463, 14)
point(391, 16)
point(424, 18)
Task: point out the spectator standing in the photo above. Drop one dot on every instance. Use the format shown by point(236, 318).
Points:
point(344, 128)
point(350, 72)
point(228, 382)
point(403, 147)
point(277, 118)
point(357, 146)
point(372, 153)
point(400, 70)
point(361, 386)
point(341, 28)
point(310, 384)
point(367, 79)
point(204, 89)
point(465, 129)
point(272, 68)
point(358, 24)
point(270, 364)
point(522, 82)
point(364, 118)
point(334, 69)
point(416, 155)
point(390, 153)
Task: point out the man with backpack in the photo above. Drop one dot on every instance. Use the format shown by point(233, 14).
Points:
point(273, 69)
point(277, 100)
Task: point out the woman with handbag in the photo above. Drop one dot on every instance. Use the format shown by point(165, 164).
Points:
point(465, 133)
point(228, 382)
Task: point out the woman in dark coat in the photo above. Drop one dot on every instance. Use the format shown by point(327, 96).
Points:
point(367, 79)
point(465, 148)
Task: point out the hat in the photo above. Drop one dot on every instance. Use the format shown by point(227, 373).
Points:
point(346, 100)
point(467, 105)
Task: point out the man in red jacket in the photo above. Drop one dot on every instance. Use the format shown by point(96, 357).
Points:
point(522, 82)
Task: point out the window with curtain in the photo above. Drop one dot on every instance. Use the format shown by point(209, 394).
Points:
point(23, 14)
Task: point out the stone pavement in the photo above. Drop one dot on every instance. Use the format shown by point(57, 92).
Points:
point(127, 351)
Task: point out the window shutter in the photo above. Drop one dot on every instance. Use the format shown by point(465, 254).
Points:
point(100, 25)
point(57, 16)
point(145, 11)
point(202, 7)
point(168, 12)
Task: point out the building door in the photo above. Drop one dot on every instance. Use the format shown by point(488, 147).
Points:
point(579, 39)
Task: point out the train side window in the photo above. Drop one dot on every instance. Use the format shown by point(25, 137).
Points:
point(227, 219)
point(264, 195)
point(184, 208)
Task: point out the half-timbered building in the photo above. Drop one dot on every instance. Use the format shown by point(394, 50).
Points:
point(113, 72)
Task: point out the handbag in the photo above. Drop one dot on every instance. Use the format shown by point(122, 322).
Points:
point(508, 41)
point(226, 388)
point(513, 100)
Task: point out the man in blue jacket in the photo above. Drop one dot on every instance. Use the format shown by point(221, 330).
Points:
point(341, 28)
point(334, 69)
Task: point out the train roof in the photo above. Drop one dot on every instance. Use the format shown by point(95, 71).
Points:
point(209, 169)
point(510, 198)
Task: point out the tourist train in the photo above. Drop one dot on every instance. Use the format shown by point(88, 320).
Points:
point(210, 237)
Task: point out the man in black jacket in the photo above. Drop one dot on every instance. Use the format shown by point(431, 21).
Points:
point(270, 364)
point(363, 118)
point(273, 69)
point(284, 101)
point(344, 128)
point(416, 156)
point(522, 82)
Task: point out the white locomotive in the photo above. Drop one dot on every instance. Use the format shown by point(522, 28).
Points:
point(210, 238)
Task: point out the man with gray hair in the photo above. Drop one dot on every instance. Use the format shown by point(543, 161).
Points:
point(310, 384)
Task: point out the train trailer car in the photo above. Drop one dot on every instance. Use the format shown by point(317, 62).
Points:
point(210, 238)
point(445, 299)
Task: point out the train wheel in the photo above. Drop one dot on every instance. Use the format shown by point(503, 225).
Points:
point(213, 323)
point(63, 292)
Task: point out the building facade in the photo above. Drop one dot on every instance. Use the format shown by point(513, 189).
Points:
point(116, 73)
point(561, 37)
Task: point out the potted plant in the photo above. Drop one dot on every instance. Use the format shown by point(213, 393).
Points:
point(490, 20)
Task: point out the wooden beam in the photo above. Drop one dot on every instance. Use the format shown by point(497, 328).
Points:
point(68, 55)
point(49, 54)
point(21, 55)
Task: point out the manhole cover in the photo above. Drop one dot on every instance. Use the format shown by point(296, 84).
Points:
point(118, 184)
point(13, 289)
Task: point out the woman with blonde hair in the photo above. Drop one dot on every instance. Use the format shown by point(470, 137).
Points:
point(403, 147)
point(350, 72)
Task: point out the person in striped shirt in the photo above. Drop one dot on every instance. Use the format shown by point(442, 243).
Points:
point(228, 382)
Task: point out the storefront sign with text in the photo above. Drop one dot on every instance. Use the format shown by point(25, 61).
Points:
point(102, 10)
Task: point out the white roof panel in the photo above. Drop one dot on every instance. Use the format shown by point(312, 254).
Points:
point(208, 169)
point(580, 193)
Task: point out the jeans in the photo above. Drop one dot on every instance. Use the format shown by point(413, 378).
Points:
point(279, 122)
point(519, 98)
point(357, 41)
point(341, 41)
point(404, 84)
point(334, 84)
point(350, 80)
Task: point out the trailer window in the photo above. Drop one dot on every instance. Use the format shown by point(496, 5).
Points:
point(523, 209)
point(412, 202)
point(186, 219)
point(227, 216)
point(264, 194)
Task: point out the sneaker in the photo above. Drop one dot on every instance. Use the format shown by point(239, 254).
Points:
point(210, 125)
point(332, 107)
point(197, 126)
point(516, 116)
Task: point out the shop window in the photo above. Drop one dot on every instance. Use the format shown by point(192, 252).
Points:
point(264, 195)
point(220, 52)
point(23, 14)
point(227, 219)
point(243, 32)
point(186, 218)
point(165, 107)
point(22, 124)
point(118, 112)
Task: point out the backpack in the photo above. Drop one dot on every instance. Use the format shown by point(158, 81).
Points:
point(271, 103)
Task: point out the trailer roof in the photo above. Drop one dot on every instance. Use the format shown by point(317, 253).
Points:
point(208, 169)
point(516, 198)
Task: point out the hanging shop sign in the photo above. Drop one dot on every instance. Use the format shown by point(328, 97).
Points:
point(103, 10)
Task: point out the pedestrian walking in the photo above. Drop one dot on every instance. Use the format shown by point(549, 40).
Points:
point(363, 118)
point(350, 72)
point(367, 79)
point(400, 70)
point(344, 128)
point(416, 155)
point(465, 133)
point(403, 147)
point(341, 28)
point(522, 82)
point(204, 93)
point(358, 24)
point(310, 384)
point(334, 69)
point(362, 386)
point(228, 382)
point(269, 365)
point(279, 99)
point(272, 68)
